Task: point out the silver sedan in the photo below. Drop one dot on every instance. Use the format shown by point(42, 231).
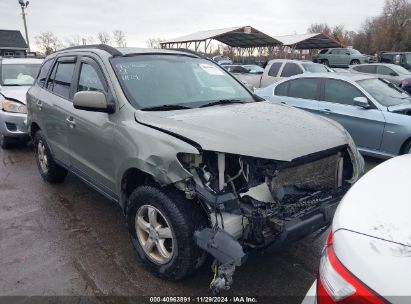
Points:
point(374, 111)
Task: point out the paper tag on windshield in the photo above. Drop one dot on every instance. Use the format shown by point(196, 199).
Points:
point(210, 69)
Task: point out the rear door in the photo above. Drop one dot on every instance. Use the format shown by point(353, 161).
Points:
point(301, 93)
point(91, 133)
point(366, 126)
point(55, 104)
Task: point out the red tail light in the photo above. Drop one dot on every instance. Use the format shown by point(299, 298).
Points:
point(405, 83)
point(336, 284)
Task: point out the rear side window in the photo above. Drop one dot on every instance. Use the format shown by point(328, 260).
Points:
point(282, 89)
point(291, 69)
point(60, 79)
point(275, 67)
point(369, 69)
point(342, 92)
point(41, 79)
point(304, 88)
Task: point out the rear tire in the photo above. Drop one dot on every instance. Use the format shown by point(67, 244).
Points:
point(50, 171)
point(325, 62)
point(4, 142)
point(172, 255)
point(355, 62)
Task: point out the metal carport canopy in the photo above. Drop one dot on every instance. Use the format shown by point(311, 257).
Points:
point(309, 41)
point(241, 36)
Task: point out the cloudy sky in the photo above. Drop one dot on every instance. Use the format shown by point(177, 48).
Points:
point(141, 20)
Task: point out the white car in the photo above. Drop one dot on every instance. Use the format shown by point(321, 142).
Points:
point(17, 75)
point(367, 258)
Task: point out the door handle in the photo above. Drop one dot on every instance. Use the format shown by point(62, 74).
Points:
point(326, 111)
point(71, 122)
point(39, 104)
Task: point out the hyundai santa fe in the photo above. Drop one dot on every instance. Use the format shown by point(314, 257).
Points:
point(198, 163)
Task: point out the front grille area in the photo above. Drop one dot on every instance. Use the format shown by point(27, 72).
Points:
point(11, 126)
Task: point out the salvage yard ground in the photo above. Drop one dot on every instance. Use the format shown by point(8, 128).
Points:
point(67, 239)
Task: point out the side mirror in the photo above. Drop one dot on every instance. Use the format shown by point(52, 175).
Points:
point(94, 101)
point(361, 102)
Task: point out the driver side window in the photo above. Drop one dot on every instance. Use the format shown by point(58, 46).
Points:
point(337, 91)
point(89, 79)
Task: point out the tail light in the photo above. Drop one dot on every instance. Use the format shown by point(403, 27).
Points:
point(336, 284)
point(405, 83)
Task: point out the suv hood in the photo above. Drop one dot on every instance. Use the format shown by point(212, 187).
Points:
point(15, 92)
point(378, 204)
point(257, 129)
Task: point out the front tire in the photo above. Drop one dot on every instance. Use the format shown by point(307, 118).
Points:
point(325, 62)
point(355, 62)
point(50, 171)
point(161, 223)
point(4, 142)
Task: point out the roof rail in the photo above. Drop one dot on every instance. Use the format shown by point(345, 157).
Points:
point(187, 51)
point(109, 49)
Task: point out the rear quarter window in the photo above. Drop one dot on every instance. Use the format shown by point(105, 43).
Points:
point(282, 89)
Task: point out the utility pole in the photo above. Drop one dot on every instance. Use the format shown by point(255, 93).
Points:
point(24, 5)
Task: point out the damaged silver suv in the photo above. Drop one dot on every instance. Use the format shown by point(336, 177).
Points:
point(198, 163)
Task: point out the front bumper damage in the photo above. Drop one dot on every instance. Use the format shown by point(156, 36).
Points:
point(258, 203)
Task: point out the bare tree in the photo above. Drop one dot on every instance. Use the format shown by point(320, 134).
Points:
point(48, 42)
point(319, 28)
point(74, 40)
point(104, 37)
point(119, 38)
point(154, 43)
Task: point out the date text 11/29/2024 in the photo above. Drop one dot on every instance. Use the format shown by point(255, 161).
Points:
point(234, 299)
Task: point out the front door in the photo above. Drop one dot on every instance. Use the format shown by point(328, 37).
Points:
point(91, 133)
point(366, 126)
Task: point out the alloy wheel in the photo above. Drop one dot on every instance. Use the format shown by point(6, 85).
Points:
point(42, 156)
point(154, 234)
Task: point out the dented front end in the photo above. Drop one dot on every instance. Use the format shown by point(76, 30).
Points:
point(261, 202)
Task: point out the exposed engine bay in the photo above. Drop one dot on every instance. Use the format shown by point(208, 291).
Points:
point(254, 203)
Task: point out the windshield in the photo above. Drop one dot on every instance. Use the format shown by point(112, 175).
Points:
point(19, 74)
point(315, 68)
point(155, 80)
point(400, 70)
point(386, 93)
point(354, 52)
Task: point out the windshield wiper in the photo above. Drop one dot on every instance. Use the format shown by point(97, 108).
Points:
point(166, 107)
point(222, 102)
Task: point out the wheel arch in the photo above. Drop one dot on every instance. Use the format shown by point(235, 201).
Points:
point(130, 180)
point(406, 142)
point(34, 127)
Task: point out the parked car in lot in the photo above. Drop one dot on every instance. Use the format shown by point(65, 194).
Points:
point(391, 72)
point(245, 72)
point(367, 255)
point(278, 69)
point(16, 77)
point(399, 58)
point(374, 111)
point(222, 60)
point(340, 57)
point(197, 162)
